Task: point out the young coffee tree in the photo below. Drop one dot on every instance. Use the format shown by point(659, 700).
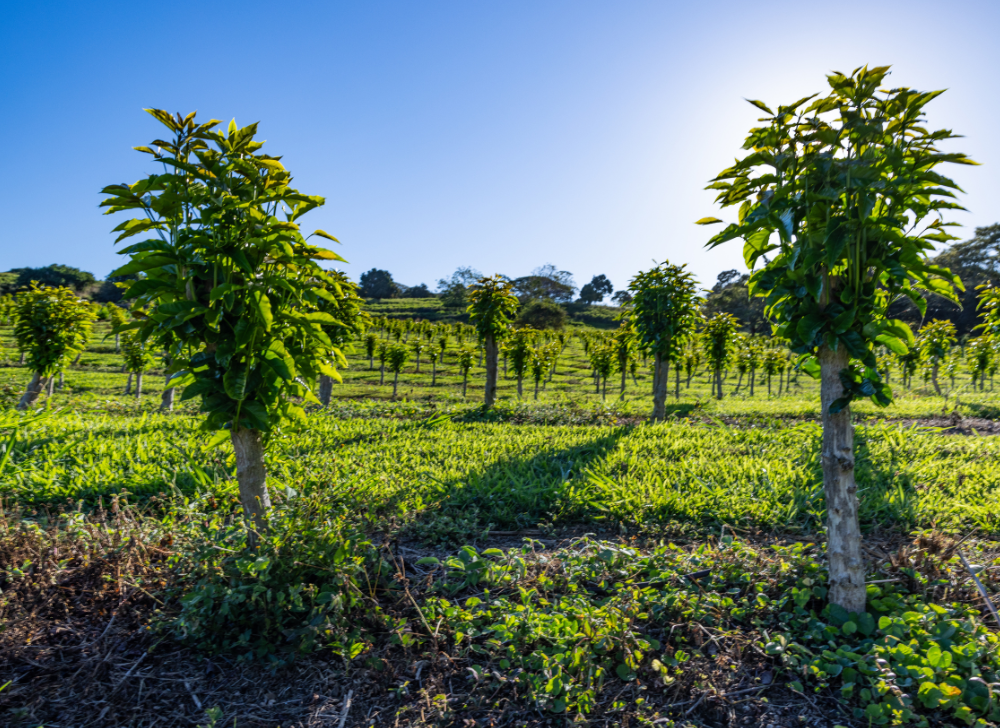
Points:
point(843, 191)
point(935, 341)
point(371, 343)
point(518, 352)
point(719, 340)
point(231, 284)
point(396, 358)
point(492, 308)
point(51, 327)
point(664, 315)
point(138, 359)
point(466, 357)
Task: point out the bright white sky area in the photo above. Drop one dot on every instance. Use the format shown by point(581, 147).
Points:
point(498, 135)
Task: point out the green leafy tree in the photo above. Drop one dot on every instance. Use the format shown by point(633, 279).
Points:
point(382, 352)
point(491, 310)
point(466, 357)
point(51, 327)
point(623, 342)
point(371, 342)
point(979, 353)
point(518, 351)
point(843, 192)
point(603, 357)
point(138, 359)
point(720, 344)
point(235, 290)
point(935, 341)
point(664, 314)
point(396, 358)
point(345, 306)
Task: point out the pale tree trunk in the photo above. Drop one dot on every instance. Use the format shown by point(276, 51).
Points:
point(934, 379)
point(843, 548)
point(624, 368)
point(325, 389)
point(395, 383)
point(604, 389)
point(20, 362)
point(371, 363)
point(36, 386)
point(718, 384)
point(62, 379)
point(138, 385)
point(490, 396)
point(128, 384)
point(252, 477)
point(661, 375)
point(739, 383)
point(520, 388)
point(677, 381)
point(536, 389)
point(167, 398)
point(52, 386)
point(465, 382)
point(118, 348)
point(753, 373)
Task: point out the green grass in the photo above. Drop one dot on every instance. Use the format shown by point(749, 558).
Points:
point(674, 475)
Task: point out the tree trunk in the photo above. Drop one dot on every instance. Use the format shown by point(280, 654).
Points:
point(752, 372)
point(434, 373)
point(465, 382)
point(138, 385)
point(661, 374)
point(504, 366)
point(490, 395)
point(77, 360)
point(128, 384)
point(167, 398)
point(718, 384)
point(36, 386)
point(604, 390)
point(677, 381)
point(624, 366)
point(395, 383)
point(843, 549)
point(536, 389)
point(520, 390)
point(934, 379)
point(252, 478)
point(381, 375)
point(20, 362)
point(325, 389)
point(371, 363)
point(118, 347)
point(739, 383)
point(62, 379)
point(769, 385)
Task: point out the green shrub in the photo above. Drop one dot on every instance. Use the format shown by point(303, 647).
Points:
point(294, 594)
point(542, 314)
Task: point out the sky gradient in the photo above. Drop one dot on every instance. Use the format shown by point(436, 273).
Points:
point(443, 134)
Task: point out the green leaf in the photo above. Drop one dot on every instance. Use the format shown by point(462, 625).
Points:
point(263, 304)
point(760, 105)
point(708, 221)
point(325, 234)
point(235, 379)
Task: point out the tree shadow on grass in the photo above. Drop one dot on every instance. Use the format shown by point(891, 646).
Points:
point(516, 492)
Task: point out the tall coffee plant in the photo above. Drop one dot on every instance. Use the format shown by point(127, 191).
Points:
point(349, 323)
point(491, 309)
point(719, 340)
point(232, 288)
point(843, 191)
point(51, 327)
point(664, 314)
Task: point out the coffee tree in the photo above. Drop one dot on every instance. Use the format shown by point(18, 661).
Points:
point(51, 327)
point(664, 314)
point(842, 191)
point(466, 357)
point(491, 310)
point(719, 340)
point(231, 284)
point(138, 359)
point(935, 341)
point(396, 357)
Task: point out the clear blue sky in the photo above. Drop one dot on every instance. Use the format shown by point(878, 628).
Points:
point(500, 135)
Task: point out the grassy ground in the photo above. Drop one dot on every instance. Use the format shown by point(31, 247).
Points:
point(547, 563)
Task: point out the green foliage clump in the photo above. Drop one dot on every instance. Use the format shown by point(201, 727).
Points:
point(52, 326)
point(294, 594)
point(541, 313)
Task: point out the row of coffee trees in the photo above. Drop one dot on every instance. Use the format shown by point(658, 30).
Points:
point(840, 191)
